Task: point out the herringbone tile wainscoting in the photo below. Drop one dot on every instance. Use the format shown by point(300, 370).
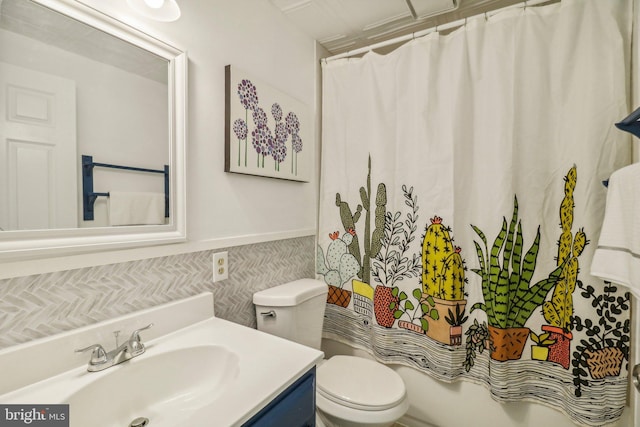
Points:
point(41, 305)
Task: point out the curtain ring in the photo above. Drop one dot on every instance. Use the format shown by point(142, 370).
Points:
point(525, 5)
point(486, 17)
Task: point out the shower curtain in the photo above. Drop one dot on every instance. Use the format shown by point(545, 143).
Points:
point(461, 196)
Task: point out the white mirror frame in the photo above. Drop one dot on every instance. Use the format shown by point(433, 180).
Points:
point(15, 245)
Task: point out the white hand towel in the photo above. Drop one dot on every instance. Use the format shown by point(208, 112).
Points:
point(129, 208)
point(617, 257)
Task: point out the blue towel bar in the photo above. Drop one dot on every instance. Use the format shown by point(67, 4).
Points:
point(631, 123)
point(89, 196)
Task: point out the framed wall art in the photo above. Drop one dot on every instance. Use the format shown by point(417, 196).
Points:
point(267, 133)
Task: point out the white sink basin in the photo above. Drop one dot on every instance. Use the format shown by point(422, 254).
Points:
point(166, 388)
point(197, 370)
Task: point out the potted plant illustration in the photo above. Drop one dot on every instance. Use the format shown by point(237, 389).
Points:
point(540, 351)
point(509, 299)
point(417, 314)
point(443, 277)
point(338, 268)
point(477, 342)
point(455, 320)
point(559, 309)
point(392, 264)
point(372, 243)
point(607, 344)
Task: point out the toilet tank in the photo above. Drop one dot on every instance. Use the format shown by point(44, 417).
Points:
point(294, 311)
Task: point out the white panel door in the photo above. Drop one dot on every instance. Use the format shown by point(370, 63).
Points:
point(38, 160)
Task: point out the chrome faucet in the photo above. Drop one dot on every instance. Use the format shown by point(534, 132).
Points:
point(101, 360)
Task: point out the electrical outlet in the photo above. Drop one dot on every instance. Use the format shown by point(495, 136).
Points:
point(220, 266)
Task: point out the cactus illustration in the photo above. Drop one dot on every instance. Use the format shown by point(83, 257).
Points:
point(349, 220)
point(452, 277)
point(372, 240)
point(436, 247)
point(559, 309)
point(340, 265)
point(443, 267)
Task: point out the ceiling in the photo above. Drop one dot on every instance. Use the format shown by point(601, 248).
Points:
point(343, 25)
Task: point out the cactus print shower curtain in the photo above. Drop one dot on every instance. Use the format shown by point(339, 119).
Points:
point(461, 193)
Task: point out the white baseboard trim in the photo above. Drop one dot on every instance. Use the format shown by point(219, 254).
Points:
point(409, 421)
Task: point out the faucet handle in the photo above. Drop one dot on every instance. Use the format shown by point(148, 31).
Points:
point(135, 343)
point(98, 355)
point(135, 335)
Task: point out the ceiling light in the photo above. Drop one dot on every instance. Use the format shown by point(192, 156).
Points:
point(159, 10)
point(154, 4)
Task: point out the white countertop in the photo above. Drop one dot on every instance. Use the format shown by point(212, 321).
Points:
point(266, 366)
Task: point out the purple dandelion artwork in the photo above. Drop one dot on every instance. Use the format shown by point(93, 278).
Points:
point(241, 130)
point(293, 128)
point(248, 95)
point(280, 149)
point(296, 145)
point(271, 123)
point(276, 112)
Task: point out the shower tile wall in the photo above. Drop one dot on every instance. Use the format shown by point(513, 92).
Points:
point(41, 305)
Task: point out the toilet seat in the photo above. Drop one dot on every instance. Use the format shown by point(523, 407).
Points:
point(359, 383)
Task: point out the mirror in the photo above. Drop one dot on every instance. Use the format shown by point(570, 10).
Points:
point(93, 123)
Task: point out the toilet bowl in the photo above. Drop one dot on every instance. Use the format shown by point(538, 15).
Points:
point(356, 392)
point(350, 391)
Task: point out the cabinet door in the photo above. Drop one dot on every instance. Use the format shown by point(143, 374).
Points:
point(294, 407)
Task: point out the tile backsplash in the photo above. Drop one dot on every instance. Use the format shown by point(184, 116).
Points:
point(45, 304)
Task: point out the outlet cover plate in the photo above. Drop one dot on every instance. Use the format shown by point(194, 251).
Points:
point(220, 266)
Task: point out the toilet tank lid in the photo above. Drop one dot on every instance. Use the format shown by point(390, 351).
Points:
point(291, 293)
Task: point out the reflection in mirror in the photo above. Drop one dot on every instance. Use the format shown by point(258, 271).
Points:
point(73, 90)
point(80, 84)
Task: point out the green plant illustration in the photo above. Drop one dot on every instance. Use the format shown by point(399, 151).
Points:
point(392, 264)
point(542, 340)
point(443, 272)
point(456, 318)
point(509, 299)
point(607, 344)
point(340, 265)
point(404, 307)
point(559, 309)
point(372, 241)
point(477, 341)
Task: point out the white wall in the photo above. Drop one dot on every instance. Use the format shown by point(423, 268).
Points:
point(223, 209)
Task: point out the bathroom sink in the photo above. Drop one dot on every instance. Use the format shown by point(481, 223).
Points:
point(197, 370)
point(166, 388)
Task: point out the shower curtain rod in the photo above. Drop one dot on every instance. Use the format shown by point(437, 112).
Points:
point(421, 33)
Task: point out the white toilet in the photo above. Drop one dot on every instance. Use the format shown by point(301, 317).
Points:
point(350, 391)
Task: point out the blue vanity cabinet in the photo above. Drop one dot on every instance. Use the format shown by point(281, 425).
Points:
point(294, 407)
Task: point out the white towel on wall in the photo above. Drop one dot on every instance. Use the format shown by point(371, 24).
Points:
point(136, 208)
point(617, 257)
